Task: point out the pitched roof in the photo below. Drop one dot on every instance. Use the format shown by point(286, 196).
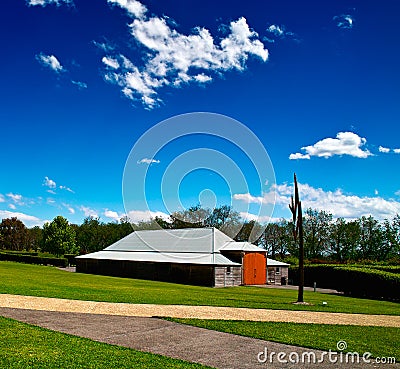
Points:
point(241, 246)
point(188, 246)
point(276, 263)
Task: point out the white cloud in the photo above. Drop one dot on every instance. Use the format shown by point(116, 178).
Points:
point(276, 30)
point(66, 189)
point(52, 185)
point(259, 218)
point(105, 46)
point(81, 85)
point(2, 198)
point(12, 206)
point(397, 193)
point(376, 192)
point(28, 220)
point(344, 21)
point(50, 61)
point(50, 201)
point(49, 183)
point(110, 62)
point(299, 155)
point(43, 3)
point(148, 161)
point(136, 216)
point(70, 209)
point(15, 197)
point(396, 151)
point(202, 78)
point(384, 149)
point(133, 7)
point(336, 202)
point(112, 214)
point(345, 143)
point(88, 211)
point(174, 59)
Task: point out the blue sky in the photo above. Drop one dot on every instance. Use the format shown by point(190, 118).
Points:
point(316, 82)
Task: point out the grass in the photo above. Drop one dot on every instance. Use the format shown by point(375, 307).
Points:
point(36, 280)
point(25, 346)
point(380, 341)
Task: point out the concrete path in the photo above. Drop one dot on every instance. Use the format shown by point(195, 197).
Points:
point(197, 312)
point(216, 349)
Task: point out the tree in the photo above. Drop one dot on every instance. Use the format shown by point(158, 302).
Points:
point(316, 233)
point(13, 234)
point(247, 232)
point(391, 238)
point(59, 237)
point(371, 238)
point(194, 217)
point(34, 238)
point(297, 217)
point(344, 240)
point(277, 239)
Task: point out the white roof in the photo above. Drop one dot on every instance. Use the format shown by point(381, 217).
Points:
point(276, 263)
point(158, 257)
point(189, 245)
point(241, 246)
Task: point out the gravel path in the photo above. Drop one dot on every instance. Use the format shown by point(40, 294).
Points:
point(199, 312)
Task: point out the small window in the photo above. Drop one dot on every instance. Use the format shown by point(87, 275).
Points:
point(277, 270)
point(228, 270)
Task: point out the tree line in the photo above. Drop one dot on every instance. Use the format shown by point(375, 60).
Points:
point(325, 238)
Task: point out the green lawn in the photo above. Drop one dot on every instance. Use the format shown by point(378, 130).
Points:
point(379, 341)
point(36, 280)
point(25, 346)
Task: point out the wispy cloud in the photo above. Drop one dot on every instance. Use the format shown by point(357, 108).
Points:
point(136, 216)
point(49, 183)
point(66, 189)
point(104, 46)
point(148, 161)
point(387, 150)
point(2, 199)
point(44, 3)
point(133, 7)
point(50, 61)
point(81, 85)
point(174, 59)
point(345, 143)
point(276, 31)
point(345, 21)
point(88, 212)
point(336, 202)
point(110, 62)
point(16, 198)
point(70, 209)
point(52, 185)
point(112, 214)
point(384, 149)
point(28, 220)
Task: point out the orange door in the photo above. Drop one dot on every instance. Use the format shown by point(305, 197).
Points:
point(254, 268)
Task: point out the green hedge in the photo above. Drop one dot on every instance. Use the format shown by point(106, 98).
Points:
point(29, 259)
point(12, 252)
point(352, 280)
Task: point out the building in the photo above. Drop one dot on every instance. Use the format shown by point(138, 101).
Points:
point(277, 272)
point(198, 256)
